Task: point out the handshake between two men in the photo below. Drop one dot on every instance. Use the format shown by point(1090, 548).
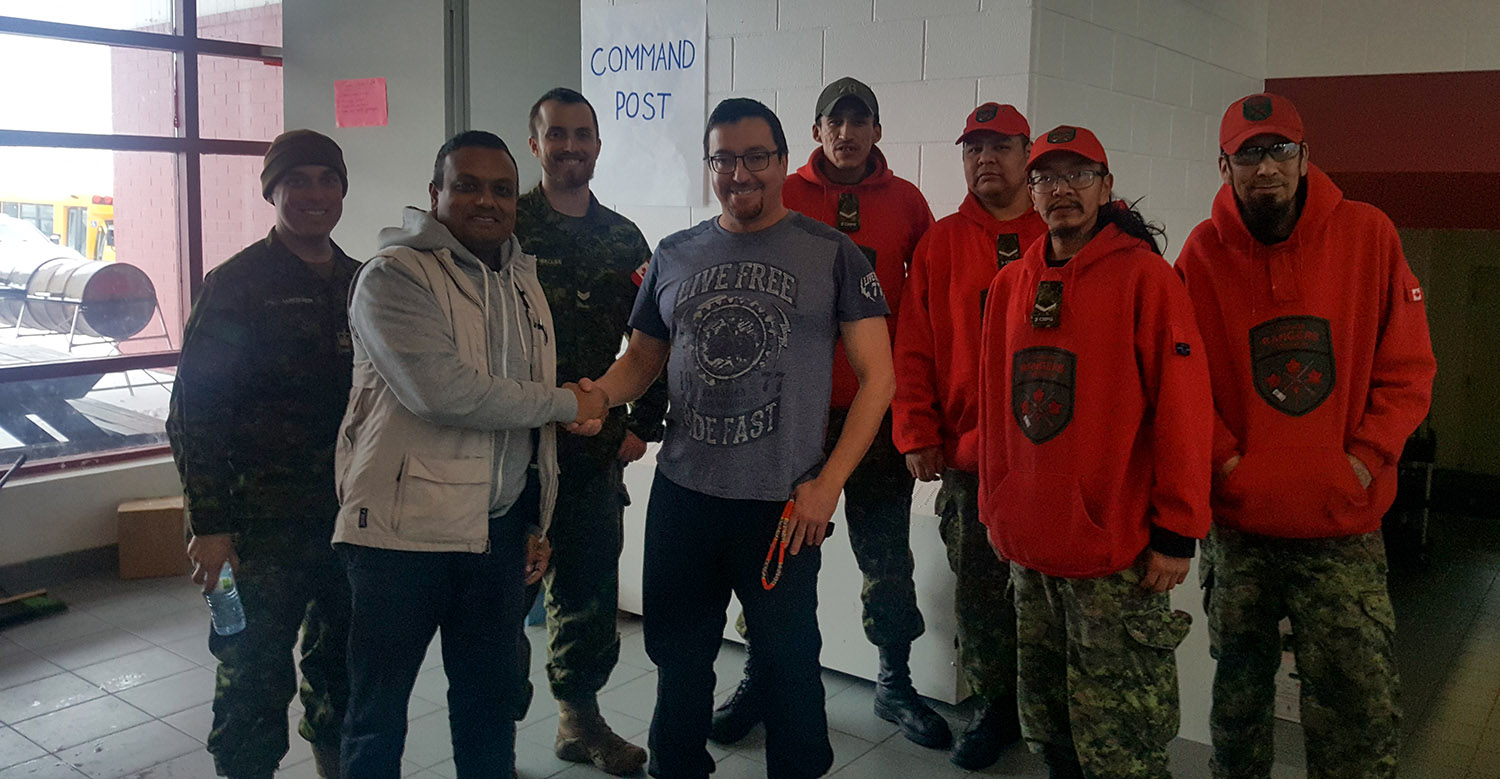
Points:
point(593, 407)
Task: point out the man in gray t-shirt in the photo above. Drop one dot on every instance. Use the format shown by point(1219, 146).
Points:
point(744, 311)
point(751, 319)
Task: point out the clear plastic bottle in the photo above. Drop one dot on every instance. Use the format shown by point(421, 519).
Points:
point(224, 604)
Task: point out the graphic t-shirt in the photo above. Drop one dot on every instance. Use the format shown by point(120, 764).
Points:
point(752, 319)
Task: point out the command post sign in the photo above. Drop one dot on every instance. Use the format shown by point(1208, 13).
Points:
point(645, 69)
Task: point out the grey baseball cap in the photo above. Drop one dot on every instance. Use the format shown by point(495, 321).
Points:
point(847, 87)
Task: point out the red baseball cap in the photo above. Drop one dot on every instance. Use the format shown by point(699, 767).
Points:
point(995, 118)
point(1261, 113)
point(1066, 137)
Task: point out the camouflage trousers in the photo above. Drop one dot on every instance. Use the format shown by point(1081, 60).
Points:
point(877, 507)
point(982, 597)
point(1334, 591)
point(583, 582)
point(289, 579)
point(1098, 670)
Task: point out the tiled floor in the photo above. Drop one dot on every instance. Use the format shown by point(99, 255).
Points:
point(119, 686)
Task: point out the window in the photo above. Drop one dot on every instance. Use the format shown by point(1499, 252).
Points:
point(149, 116)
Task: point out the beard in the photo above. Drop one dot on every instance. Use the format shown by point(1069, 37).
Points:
point(1270, 220)
point(745, 206)
point(572, 176)
point(1070, 233)
point(748, 212)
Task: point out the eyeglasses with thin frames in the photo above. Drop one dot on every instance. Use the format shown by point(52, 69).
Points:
point(1252, 155)
point(1077, 180)
point(726, 163)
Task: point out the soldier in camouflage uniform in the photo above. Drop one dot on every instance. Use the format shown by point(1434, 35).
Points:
point(1317, 340)
point(590, 261)
point(1094, 432)
point(260, 391)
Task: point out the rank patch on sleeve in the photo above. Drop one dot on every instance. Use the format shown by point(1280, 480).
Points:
point(1041, 391)
point(1291, 363)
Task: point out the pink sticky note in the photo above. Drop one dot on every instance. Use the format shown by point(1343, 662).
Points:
point(360, 102)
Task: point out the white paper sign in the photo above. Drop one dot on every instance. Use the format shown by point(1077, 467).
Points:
point(645, 69)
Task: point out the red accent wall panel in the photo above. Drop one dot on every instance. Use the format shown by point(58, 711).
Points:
point(1424, 147)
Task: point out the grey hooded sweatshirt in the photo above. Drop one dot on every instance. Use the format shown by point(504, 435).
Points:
point(455, 373)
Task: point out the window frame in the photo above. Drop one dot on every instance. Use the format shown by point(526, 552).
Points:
point(188, 147)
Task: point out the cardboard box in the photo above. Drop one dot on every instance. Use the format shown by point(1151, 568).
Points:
point(153, 540)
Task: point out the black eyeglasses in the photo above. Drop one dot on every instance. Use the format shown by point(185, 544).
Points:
point(726, 163)
point(1043, 183)
point(1252, 155)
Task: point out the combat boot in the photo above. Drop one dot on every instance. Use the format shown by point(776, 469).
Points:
point(995, 726)
point(1062, 762)
point(584, 737)
point(326, 758)
point(897, 701)
point(735, 719)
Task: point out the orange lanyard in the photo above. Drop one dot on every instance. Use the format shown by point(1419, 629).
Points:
point(778, 549)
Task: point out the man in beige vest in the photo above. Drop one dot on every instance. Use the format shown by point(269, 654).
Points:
point(446, 459)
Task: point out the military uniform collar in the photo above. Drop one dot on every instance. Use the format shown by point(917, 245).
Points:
point(343, 264)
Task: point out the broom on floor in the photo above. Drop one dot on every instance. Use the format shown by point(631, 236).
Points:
point(26, 606)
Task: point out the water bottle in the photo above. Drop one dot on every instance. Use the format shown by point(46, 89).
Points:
point(224, 604)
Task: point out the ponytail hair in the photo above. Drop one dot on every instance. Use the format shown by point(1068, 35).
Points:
point(1130, 221)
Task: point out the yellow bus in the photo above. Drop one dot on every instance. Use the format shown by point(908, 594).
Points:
point(85, 223)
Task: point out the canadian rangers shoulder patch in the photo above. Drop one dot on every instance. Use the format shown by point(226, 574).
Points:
point(1291, 363)
point(1042, 380)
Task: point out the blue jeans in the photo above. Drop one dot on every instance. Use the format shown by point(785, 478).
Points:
point(400, 600)
point(699, 548)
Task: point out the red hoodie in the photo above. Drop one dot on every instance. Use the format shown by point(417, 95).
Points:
point(937, 345)
point(1093, 431)
point(893, 215)
point(1317, 346)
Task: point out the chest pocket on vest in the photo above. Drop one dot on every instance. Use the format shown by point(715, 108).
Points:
point(442, 499)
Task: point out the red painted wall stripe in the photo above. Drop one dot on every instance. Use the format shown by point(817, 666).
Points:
point(1424, 147)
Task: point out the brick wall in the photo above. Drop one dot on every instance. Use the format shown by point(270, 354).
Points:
point(1361, 37)
point(238, 99)
point(929, 61)
point(1152, 79)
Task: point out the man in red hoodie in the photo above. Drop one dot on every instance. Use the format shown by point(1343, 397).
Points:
point(847, 184)
point(1094, 437)
point(936, 410)
point(1321, 365)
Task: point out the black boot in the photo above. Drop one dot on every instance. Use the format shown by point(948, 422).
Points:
point(995, 726)
point(734, 720)
point(1062, 762)
point(897, 701)
point(326, 759)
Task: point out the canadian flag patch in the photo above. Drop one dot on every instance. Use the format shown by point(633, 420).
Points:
point(1414, 295)
point(639, 275)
